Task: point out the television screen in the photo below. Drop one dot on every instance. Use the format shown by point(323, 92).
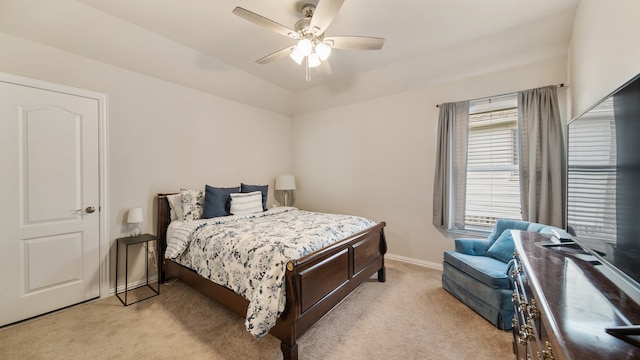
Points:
point(603, 180)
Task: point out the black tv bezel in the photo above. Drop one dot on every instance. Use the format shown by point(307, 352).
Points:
point(618, 276)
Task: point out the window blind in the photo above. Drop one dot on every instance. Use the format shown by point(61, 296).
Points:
point(493, 182)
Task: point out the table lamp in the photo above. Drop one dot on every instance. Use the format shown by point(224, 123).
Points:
point(286, 183)
point(135, 217)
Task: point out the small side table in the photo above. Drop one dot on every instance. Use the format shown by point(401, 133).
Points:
point(132, 240)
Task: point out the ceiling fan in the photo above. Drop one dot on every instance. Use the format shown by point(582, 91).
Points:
point(312, 47)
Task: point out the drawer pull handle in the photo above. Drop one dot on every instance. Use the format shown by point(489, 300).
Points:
point(534, 313)
point(547, 354)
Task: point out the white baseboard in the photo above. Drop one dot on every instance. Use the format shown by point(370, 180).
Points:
point(428, 264)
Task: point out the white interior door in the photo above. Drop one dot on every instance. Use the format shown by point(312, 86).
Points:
point(49, 217)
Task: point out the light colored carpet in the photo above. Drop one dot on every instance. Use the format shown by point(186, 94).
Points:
point(408, 317)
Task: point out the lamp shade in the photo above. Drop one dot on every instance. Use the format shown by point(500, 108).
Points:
point(304, 47)
point(297, 57)
point(135, 215)
point(313, 60)
point(323, 50)
point(285, 182)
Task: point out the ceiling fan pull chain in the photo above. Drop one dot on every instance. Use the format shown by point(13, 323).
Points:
point(307, 70)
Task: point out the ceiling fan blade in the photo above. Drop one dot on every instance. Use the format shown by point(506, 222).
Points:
point(355, 42)
point(276, 55)
point(264, 22)
point(324, 68)
point(323, 16)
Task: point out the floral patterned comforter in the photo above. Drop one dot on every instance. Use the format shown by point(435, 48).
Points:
point(248, 254)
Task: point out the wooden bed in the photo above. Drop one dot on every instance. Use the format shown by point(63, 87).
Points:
point(315, 283)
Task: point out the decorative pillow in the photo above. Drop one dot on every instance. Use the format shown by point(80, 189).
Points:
point(175, 204)
point(217, 201)
point(264, 189)
point(192, 203)
point(246, 203)
point(503, 248)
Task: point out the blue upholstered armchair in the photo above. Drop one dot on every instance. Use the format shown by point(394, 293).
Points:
point(477, 271)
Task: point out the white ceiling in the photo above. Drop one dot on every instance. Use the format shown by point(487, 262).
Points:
point(417, 32)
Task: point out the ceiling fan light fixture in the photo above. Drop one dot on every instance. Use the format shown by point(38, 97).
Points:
point(313, 60)
point(304, 47)
point(323, 50)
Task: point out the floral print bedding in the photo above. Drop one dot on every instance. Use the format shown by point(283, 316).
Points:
point(248, 253)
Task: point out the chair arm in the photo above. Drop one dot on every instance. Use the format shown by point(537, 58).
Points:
point(472, 246)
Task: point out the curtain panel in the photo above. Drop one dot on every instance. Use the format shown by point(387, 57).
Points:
point(451, 165)
point(541, 149)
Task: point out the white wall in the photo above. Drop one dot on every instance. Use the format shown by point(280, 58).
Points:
point(376, 158)
point(161, 135)
point(604, 50)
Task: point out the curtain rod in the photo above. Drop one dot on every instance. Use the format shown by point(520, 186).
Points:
point(558, 85)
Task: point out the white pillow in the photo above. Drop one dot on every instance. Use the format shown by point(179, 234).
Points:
point(246, 203)
point(175, 203)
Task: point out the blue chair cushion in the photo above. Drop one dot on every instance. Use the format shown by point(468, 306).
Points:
point(472, 246)
point(503, 248)
point(503, 224)
point(487, 270)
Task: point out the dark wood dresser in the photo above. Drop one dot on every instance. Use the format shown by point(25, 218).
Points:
point(564, 303)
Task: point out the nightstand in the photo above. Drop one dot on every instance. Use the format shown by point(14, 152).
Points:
point(136, 240)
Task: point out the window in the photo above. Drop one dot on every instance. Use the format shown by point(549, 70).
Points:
point(489, 166)
point(492, 189)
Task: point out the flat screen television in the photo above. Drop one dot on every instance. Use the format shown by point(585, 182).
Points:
point(603, 184)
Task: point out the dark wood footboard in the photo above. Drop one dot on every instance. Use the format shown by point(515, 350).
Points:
point(315, 283)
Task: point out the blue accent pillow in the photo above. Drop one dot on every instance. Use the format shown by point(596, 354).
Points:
point(264, 189)
point(503, 248)
point(217, 201)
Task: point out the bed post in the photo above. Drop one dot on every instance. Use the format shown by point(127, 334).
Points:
point(382, 273)
point(286, 328)
point(289, 352)
point(164, 218)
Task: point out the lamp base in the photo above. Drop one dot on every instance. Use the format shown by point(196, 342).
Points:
point(136, 231)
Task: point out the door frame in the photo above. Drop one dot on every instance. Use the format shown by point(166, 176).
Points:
point(103, 168)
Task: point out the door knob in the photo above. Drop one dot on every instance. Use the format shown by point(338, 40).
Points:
point(88, 209)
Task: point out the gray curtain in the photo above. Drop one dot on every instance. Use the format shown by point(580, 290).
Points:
point(541, 151)
point(451, 165)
